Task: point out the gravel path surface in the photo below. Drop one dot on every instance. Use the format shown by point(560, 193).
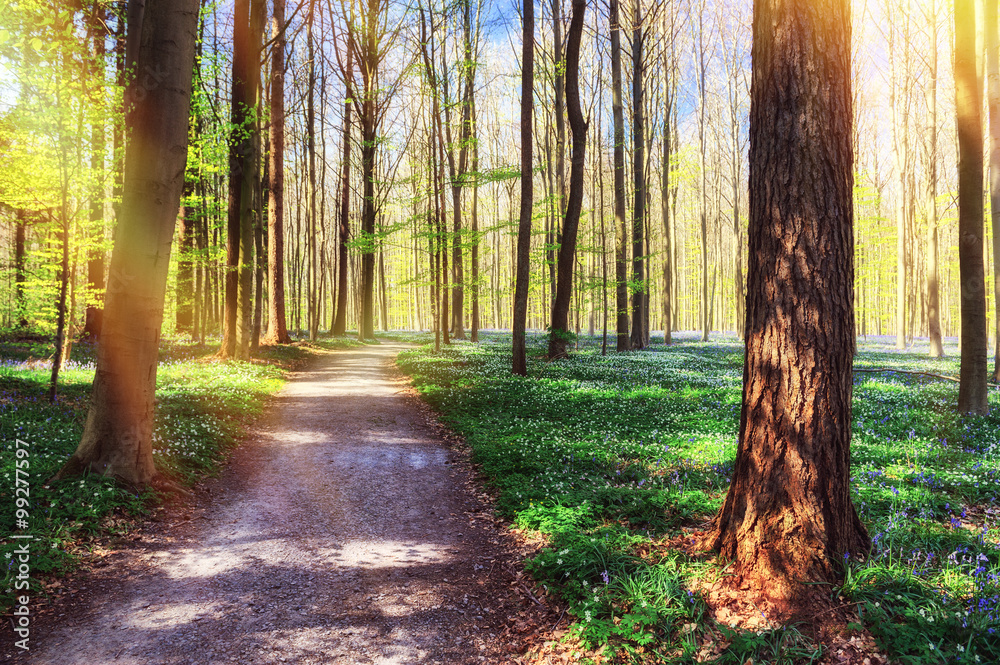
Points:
point(345, 531)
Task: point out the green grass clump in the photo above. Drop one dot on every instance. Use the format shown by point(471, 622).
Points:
point(611, 456)
point(203, 406)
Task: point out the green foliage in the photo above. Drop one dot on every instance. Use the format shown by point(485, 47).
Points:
point(611, 456)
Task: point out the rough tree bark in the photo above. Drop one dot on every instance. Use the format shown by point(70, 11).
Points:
point(574, 204)
point(788, 517)
point(933, 294)
point(117, 438)
point(238, 145)
point(520, 361)
point(621, 239)
point(972, 272)
point(277, 325)
point(639, 313)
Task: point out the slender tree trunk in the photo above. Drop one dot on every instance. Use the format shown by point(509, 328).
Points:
point(20, 267)
point(968, 105)
point(277, 329)
point(788, 517)
point(559, 333)
point(621, 239)
point(117, 438)
point(638, 340)
point(340, 324)
point(703, 149)
point(474, 250)
point(993, 82)
point(185, 271)
point(239, 146)
point(95, 261)
point(933, 296)
point(520, 363)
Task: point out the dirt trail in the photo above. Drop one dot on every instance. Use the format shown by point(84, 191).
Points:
point(344, 532)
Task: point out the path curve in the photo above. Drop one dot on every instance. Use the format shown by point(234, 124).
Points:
point(344, 532)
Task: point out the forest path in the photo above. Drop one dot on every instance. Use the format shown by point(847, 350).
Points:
point(344, 531)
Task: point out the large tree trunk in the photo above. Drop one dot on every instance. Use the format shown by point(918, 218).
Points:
point(277, 327)
point(559, 333)
point(788, 518)
point(249, 184)
point(621, 239)
point(117, 438)
point(520, 361)
point(972, 272)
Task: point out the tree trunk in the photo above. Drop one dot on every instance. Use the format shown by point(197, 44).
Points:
point(117, 438)
point(520, 361)
point(621, 239)
point(185, 271)
point(968, 105)
point(993, 79)
point(788, 517)
point(239, 146)
point(638, 340)
point(20, 267)
point(933, 297)
point(277, 328)
point(340, 323)
point(559, 333)
point(703, 149)
point(95, 260)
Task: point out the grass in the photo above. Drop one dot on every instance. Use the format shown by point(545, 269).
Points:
point(611, 456)
point(203, 408)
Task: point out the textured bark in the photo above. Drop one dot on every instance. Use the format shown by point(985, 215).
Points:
point(238, 146)
point(520, 361)
point(621, 239)
point(933, 295)
point(249, 182)
point(993, 87)
point(117, 438)
point(972, 272)
point(277, 326)
point(340, 322)
point(312, 236)
point(369, 53)
point(574, 204)
point(639, 313)
point(788, 516)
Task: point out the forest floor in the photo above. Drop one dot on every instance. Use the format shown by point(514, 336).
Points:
point(346, 529)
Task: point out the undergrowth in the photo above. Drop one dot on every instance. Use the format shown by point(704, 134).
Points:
point(612, 456)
